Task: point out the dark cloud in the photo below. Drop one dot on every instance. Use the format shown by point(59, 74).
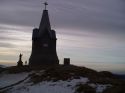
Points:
point(93, 15)
point(96, 16)
point(86, 25)
point(10, 38)
point(6, 45)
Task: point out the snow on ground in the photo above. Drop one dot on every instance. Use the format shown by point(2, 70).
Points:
point(49, 86)
point(68, 86)
point(55, 87)
point(2, 66)
point(8, 79)
point(100, 88)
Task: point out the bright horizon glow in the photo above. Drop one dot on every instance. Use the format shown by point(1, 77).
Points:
point(80, 48)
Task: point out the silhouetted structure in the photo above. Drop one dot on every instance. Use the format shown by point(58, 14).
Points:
point(44, 43)
point(20, 63)
point(66, 61)
point(25, 62)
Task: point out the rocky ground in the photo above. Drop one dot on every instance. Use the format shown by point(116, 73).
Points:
point(59, 79)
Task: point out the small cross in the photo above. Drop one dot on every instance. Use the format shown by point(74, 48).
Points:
point(45, 4)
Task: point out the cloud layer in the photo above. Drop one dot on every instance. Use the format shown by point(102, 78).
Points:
point(87, 30)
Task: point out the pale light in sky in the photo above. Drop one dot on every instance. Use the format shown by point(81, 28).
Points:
point(90, 32)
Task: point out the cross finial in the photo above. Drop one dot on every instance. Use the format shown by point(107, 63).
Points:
point(45, 4)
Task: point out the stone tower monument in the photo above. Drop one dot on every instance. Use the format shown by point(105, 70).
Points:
point(44, 43)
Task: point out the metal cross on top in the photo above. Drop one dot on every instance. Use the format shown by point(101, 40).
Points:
point(45, 4)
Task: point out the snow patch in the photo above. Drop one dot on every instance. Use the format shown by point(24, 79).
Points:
point(100, 88)
point(49, 86)
point(8, 79)
point(68, 86)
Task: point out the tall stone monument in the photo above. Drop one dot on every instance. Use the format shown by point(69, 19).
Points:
point(44, 43)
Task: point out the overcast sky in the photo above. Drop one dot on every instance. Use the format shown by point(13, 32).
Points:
point(90, 32)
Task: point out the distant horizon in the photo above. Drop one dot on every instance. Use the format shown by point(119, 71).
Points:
point(94, 66)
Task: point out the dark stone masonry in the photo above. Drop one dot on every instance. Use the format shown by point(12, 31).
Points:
point(44, 43)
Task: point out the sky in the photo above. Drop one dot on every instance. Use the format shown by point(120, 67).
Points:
point(90, 32)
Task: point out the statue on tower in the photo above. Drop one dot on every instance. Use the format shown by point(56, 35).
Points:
point(20, 63)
